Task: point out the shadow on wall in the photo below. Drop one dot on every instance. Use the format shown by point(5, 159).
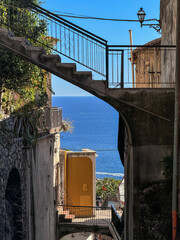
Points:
point(13, 206)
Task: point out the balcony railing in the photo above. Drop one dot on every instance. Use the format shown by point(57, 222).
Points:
point(51, 119)
point(117, 221)
point(141, 66)
point(89, 215)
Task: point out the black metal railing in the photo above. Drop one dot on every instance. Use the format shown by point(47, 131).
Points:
point(117, 221)
point(62, 36)
point(141, 66)
point(112, 63)
point(89, 214)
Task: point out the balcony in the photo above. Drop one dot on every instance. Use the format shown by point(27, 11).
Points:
point(104, 220)
point(51, 119)
point(142, 66)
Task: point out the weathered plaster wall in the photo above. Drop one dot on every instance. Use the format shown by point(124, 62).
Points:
point(148, 118)
point(56, 164)
point(168, 14)
point(40, 192)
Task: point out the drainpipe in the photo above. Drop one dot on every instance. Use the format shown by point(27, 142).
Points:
point(176, 123)
point(132, 60)
point(57, 197)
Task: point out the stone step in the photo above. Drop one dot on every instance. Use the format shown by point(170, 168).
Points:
point(82, 75)
point(5, 33)
point(64, 212)
point(22, 40)
point(53, 58)
point(59, 208)
point(69, 218)
point(66, 65)
point(34, 50)
point(62, 215)
point(88, 73)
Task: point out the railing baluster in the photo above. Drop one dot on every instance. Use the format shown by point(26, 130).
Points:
point(117, 67)
point(82, 50)
point(56, 37)
point(112, 67)
point(107, 66)
point(73, 45)
point(78, 47)
point(86, 47)
point(60, 38)
point(65, 39)
point(122, 69)
point(69, 43)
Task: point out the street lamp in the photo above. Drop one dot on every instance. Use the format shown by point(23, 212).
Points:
point(141, 16)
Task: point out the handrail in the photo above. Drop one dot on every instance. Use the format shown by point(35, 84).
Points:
point(117, 221)
point(144, 46)
point(69, 24)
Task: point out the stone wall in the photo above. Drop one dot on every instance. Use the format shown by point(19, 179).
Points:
point(12, 157)
point(168, 14)
point(27, 197)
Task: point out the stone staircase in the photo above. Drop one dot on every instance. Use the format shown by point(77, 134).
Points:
point(52, 63)
point(64, 216)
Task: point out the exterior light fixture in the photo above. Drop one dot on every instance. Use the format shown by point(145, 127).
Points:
point(141, 16)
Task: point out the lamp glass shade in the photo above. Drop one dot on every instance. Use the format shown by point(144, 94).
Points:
point(141, 15)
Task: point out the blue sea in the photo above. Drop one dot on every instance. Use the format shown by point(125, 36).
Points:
point(95, 127)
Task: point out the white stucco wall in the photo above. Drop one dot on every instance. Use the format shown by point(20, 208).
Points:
point(40, 192)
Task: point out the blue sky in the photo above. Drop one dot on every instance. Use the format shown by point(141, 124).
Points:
point(113, 32)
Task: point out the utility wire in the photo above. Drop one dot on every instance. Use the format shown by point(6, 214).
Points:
point(74, 15)
point(97, 150)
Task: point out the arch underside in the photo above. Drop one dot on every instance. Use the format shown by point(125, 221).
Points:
point(66, 229)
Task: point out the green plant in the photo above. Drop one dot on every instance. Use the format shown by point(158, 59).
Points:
point(23, 85)
point(107, 187)
point(155, 205)
point(21, 82)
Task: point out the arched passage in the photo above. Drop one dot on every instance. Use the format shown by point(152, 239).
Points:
point(86, 235)
point(66, 229)
point(13, 204)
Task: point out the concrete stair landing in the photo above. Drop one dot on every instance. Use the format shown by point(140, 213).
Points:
point(64, 216)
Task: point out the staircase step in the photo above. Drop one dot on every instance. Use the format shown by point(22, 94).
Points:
point(53, 58)
point(66, 65)
point(22, 40)
point(59, 208)
point(63, 212)
point(69, 218)
point(82, 75)
point(5, 33)
point(37, 50)
point(62, 215)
